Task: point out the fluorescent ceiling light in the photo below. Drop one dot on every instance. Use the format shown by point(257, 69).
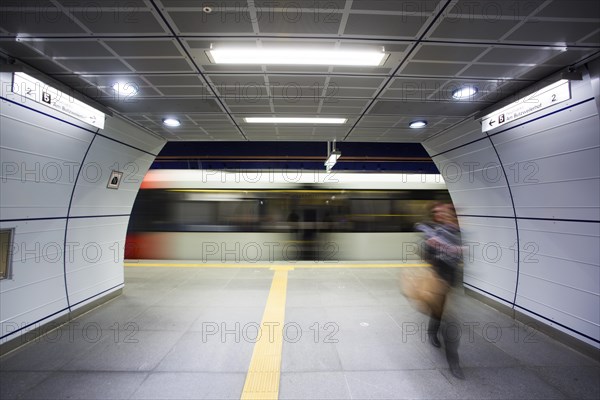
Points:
point(270, 120)
point(173, 122)
point(418, 124)
point(297, 57)
point(464, 92)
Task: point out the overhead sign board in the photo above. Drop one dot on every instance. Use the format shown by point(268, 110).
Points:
point(42, 93)
point(543, 98)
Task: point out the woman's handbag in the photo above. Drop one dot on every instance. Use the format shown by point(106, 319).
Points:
point(425, 289)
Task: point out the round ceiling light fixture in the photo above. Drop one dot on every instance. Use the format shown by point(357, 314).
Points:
point(172, 122)
point(464, 92)
point(417, 124)
point(125, 89)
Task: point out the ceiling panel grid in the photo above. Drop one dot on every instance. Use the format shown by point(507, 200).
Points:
point(159, 48)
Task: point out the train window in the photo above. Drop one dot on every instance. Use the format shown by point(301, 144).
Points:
point(238, 213)
point(272, 210)
point(6, 237)
point(194, 212)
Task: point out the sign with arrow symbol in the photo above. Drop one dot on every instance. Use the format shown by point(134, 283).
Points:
point(543, 98)
point(36, 90)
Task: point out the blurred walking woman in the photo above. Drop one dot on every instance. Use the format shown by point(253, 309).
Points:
point(444, 253)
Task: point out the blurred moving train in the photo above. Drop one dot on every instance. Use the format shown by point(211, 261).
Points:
point(268, 216)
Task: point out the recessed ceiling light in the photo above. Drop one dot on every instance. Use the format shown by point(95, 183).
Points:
point(125, 89)
point(172, 122)
point(297, 57)
point(464, 92)
point(418, 124)
point(272, 120)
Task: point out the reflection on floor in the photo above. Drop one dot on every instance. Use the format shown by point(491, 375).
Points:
point(193, 333)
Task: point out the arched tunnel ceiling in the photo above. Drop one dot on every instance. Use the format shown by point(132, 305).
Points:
point(433, 46)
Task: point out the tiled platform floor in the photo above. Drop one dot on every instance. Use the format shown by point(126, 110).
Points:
point(189, 333)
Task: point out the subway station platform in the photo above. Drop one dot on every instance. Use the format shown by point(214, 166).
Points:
point(185, 330)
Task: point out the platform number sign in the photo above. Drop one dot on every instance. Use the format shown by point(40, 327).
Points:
point(115, 180)
point(46, 98)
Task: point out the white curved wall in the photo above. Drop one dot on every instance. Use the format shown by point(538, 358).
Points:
point(528, 198)
point(69, 227)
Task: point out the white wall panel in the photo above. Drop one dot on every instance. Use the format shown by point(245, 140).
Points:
point(560, 179)
point(560, 274)
point(593, 69)
point(36, 287)
point(96, 264)
point(576, 199)
point(92, 197)
point(490, 259)
point(126, 132)
point(488, 201)
point(48, 148)
point(551, 159)
point(579, 314)
point(568, 131)
point(562, 147)
point(38, 155)
point(475, 180)
point(461, 134)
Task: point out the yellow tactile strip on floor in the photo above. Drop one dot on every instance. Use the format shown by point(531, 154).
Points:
point(195, 265)
point(264, 372)
point(293, 266)
point(262, 380)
